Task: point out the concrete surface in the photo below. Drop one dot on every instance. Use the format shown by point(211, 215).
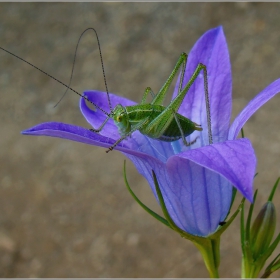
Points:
point(65, 211)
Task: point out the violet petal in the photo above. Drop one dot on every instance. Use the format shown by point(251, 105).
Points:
point(252, 107)
point(80, 134)
point(233, 159)
point(211, 50)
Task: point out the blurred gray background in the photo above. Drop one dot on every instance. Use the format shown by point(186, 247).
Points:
point(65, 211)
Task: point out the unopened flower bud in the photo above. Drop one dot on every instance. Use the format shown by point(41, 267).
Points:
point(263, 229)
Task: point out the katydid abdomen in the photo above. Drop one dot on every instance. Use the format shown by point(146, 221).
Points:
point(147, 117)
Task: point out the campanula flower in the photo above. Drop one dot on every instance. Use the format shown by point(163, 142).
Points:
point(196, 182)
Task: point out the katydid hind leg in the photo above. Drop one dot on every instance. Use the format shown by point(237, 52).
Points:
point(181, 63)
point(207, 104)
point(177, 101)
point(161, 122)
point(186, 143)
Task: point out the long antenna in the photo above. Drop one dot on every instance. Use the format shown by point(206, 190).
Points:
point(56, 80)
point(102, 64)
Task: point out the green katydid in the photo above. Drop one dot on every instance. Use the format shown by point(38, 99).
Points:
point(151, 119)
point(155, 120)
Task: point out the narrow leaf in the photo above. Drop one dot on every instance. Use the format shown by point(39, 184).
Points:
point(272, 267)
point(274, 189)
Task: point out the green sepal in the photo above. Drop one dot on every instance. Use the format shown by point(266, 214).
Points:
point(233, 195)
point(242, 133)
point(151, 212)
point(167, 216)
point(221, 229)
point(245, 241)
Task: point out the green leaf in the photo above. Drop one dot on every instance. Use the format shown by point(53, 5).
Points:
point(272, 267)
point(273, 190)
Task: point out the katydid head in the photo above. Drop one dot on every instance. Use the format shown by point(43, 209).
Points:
point(121, 120)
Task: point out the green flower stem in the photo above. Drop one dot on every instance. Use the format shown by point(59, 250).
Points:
point(210, 253)
point(254, 272)
point(246, 268)
point(243, 267)
point(249, 270)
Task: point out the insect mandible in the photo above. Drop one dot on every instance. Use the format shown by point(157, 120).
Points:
point(151, 119)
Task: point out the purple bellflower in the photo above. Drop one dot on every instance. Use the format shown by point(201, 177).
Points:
point(196, 182)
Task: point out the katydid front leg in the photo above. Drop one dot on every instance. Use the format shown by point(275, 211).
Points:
point(101, 126)
point(136, 127)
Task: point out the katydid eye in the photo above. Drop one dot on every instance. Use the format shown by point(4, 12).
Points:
point(119, 118)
